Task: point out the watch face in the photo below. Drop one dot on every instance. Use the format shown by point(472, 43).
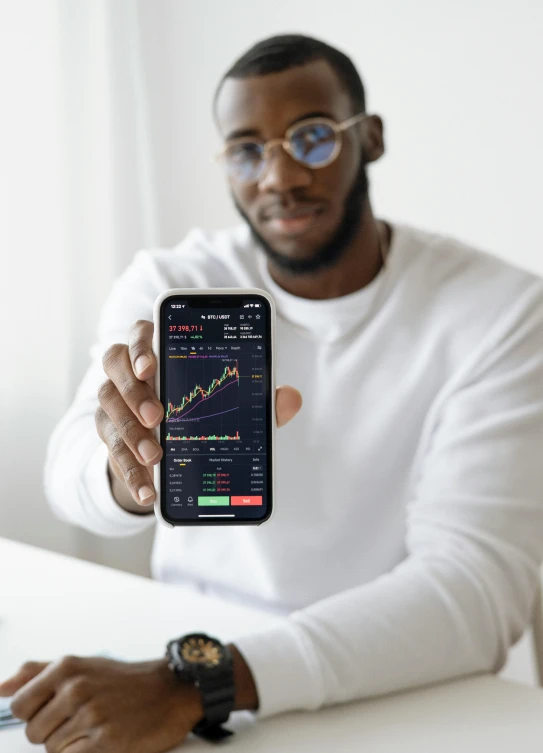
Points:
point(201, 651)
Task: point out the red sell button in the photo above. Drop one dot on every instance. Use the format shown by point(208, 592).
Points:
point(245, 501)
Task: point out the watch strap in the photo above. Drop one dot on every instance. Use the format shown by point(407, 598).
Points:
point(214, 733)
point(218, 695)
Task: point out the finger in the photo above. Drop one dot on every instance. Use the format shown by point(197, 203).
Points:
point(39, 691)
point(140, 348)
point(138, 395)
point(31, 697)
point(81, 745)
point(140, 440)
point(114, 468)
point(124, 464)
point(51, 718)
point(143, 491)
point(70, 738)
point(26, 673)
point(288, 402)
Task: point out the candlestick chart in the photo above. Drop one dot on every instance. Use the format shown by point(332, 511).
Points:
point(203, 400)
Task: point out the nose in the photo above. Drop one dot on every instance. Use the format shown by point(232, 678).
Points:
point(282, 173)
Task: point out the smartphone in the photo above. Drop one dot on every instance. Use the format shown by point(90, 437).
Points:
point(216, 381)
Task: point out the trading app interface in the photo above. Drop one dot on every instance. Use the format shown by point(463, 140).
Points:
point(215, 384)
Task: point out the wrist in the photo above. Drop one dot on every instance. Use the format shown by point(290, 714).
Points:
point(216, 679)
point(187, 706)
point(246, 695)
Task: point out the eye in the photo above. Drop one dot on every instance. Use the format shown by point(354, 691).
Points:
point(314, 142)
point(248, 151)
point(244, 160)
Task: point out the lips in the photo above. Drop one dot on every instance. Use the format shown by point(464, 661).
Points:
point(293, 221)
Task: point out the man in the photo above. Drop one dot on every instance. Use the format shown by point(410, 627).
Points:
point(408, 532)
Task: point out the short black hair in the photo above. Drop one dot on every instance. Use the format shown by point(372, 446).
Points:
point(285, 51)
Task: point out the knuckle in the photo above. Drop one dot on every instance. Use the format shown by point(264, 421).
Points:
point(139, 346)
point(52, 744)
point(133, 474)
point(130, 391)
point(99, 416)
point(141, 329)
point(30, 667)
point(112, 354)
point(69, 664)
point(130, 428)
point(33, 734)
point(117, 447)
point(101, 420)
point(140, 337)
point(17, 709)
point(77, 690)
point(105, 738)
point(105, 392)
point(93, 714)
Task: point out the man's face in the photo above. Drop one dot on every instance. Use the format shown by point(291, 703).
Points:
point(304, 218)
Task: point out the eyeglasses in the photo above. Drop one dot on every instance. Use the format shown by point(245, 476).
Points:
point(313, 143)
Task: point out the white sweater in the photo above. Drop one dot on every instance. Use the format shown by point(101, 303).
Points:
point(408, 527)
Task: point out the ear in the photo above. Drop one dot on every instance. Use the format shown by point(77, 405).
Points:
point(373, 138)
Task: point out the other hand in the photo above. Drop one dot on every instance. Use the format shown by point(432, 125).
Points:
point(94, 705)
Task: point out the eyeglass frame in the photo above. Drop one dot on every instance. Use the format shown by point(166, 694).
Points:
point(267, 146)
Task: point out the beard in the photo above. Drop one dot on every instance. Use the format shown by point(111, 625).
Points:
point(329, 253)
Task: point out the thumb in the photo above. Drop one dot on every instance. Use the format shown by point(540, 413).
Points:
point(26, 673)
point(288, 402)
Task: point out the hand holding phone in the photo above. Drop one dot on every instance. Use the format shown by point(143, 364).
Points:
point(125, 418)
point(127, 413)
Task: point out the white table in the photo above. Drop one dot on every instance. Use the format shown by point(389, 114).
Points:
point(51, 605)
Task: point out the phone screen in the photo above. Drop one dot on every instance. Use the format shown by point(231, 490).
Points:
point(216, 391)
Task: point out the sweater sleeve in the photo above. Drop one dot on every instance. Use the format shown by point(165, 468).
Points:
point(474, 535)
point(76, 480)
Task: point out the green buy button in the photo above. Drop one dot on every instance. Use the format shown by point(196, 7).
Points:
point(213, 501)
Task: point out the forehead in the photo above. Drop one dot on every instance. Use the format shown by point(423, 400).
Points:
point(268, 105)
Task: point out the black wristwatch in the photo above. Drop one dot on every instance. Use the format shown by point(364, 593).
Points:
point(205, 662)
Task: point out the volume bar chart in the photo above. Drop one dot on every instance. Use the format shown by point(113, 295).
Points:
point(172, 438)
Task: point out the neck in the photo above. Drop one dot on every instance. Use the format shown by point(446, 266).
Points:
point(358, 266)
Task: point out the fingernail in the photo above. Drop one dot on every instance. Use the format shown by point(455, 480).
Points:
point(148, 450)
point(142, 362)
point(145, 494)
point(150, 412)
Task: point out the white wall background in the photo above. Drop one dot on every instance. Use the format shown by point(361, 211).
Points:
point(105, 138)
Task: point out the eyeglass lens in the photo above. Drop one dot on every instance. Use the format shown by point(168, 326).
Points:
point(311, 144)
